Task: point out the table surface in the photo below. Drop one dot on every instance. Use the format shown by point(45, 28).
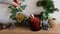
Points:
point(25, 30)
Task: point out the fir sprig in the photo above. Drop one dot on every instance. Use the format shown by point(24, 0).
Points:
point(14, 10)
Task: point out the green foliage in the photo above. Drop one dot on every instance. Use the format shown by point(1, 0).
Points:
point(44, 15)
point(25, 22)
point(14, 10)
point(39, 3)
point(49, 7)
point(22, 0)
point(23, 7)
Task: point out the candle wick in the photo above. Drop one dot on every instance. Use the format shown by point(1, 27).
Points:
point(32, 15)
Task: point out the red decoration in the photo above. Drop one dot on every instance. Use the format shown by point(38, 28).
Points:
point(35, 23)
point(16, 3)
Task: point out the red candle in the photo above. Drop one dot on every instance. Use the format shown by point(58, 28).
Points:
point(35, 23)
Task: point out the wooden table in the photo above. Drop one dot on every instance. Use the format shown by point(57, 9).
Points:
point(25, 30)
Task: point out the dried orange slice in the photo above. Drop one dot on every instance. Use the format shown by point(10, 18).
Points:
point(20, 17)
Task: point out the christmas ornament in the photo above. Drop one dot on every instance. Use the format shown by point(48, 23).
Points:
point(52, 22)
point(20, 17)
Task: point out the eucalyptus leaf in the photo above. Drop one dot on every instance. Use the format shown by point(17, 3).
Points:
point(23, 7)
point(56, 9)
point(48, 6)
point(39, 3)
point(22, 0)
point(13, 15)
point(20, 10)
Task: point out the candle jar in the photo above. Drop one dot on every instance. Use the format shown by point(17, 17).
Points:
point(35, 23)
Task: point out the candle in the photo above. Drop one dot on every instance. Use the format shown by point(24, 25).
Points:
point(35, 23)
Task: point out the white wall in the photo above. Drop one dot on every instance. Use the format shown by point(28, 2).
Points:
point(30, 9)
point(4, 13)
point(57, 14)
